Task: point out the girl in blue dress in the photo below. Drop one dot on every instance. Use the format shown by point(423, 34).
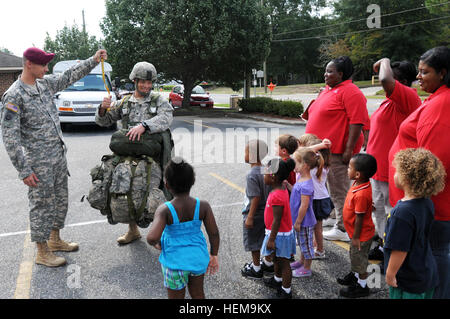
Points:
point(176, 231)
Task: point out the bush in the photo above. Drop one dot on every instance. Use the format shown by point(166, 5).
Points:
point(269, 106)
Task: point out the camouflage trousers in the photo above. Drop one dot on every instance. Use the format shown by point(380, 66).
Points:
point(49, 200)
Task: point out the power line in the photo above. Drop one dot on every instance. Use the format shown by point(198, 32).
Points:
point(359, 20)
point(361, 31)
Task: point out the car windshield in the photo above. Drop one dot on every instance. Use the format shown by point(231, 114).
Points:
point(91, 82)
point(198, 90)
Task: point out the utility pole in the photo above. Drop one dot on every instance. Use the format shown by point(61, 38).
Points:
point(264, 64)
point(84, 22)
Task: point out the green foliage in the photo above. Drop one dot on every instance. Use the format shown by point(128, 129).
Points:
point(399, 43)
point(71, 43)
point(5, 50)
point(295, 57)
point(269, 106)
point(189, 41)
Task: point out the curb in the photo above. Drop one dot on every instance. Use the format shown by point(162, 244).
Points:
point(218, 113)
point(267, 119)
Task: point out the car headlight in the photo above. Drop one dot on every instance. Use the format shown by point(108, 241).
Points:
point(66, 103)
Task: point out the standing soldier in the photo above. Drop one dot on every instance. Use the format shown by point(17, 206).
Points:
point(34, 142)
point(143, 111)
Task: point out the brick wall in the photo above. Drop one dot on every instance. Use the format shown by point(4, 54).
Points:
point(6, 80)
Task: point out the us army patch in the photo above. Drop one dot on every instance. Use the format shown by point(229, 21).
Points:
point(12, 107)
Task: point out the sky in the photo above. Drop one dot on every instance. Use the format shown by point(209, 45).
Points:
point(25, 23)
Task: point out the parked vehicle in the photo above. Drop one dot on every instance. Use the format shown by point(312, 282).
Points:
point(78, 103)
point(199, 97)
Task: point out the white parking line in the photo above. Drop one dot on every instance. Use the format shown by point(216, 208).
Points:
point(103, 221)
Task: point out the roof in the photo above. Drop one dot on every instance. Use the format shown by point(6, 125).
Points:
point(10, 62)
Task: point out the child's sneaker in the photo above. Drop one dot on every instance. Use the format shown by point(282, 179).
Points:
point(265, 268)
point(318, 254)
point(272, 283)
point(354, 291)
point(301, 272)
point(296, 265)
point(281, 294)
point(250, 272)
point(348, 280)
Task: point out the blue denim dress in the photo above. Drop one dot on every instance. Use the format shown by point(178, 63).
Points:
point(184, 245)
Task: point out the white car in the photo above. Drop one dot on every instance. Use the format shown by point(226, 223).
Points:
point(78, 103)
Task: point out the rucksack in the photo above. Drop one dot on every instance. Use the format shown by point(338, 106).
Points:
point(126, 189)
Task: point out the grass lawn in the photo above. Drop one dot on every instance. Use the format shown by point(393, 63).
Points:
point(288, 89)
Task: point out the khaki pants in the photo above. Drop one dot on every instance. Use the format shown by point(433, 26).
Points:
point(380, 194)
point(338, 185)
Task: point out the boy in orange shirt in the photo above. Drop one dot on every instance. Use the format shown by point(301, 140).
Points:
point(357, 215)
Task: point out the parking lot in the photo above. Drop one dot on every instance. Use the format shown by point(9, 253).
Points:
point(103, 270)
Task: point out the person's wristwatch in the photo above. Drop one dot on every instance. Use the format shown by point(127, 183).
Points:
point(145, 125)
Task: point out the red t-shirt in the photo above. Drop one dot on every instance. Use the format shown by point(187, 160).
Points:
point(428, 127)
point(359, 201)
point(385, 122)
point(278, 197)
point(331, 115)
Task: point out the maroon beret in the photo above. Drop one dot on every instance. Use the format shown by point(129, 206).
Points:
point(38, 56)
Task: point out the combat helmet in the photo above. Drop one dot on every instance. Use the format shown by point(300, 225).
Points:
point(144, 71)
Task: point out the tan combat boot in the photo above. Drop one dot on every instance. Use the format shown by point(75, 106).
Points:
point(55, 243)
point(47, 258)
point(132, 235)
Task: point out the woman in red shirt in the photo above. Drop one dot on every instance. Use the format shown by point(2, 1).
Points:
point(429, 127)
point(339, 114)
point(401, 101)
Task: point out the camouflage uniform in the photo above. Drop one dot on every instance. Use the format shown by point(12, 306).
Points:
point(155, 110)
point(34, 142)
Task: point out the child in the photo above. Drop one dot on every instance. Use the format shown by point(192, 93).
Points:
point(322, 204)
point(302, 208)
point(411, 268)
point(279, 240)
point(253, 214)
point(285, 146)
point(357, 215)
point(176, 231)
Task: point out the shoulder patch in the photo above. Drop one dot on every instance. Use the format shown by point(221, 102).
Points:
point(12, 107)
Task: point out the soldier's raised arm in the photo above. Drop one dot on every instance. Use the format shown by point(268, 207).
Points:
point(59, 82)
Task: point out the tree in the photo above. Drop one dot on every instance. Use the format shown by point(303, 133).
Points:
point(289, 18)
point(71, 43)
point(188, 41)
point(5, 50)
point(405, 42)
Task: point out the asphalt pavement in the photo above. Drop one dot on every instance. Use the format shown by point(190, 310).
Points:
point(103, 270)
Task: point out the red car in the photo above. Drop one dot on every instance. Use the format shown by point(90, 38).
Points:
point(198, 97)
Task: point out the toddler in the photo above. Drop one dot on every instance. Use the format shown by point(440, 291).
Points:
point(176, 231)
point(411, 268)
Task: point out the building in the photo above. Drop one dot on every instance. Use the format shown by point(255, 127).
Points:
point(10, 69)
